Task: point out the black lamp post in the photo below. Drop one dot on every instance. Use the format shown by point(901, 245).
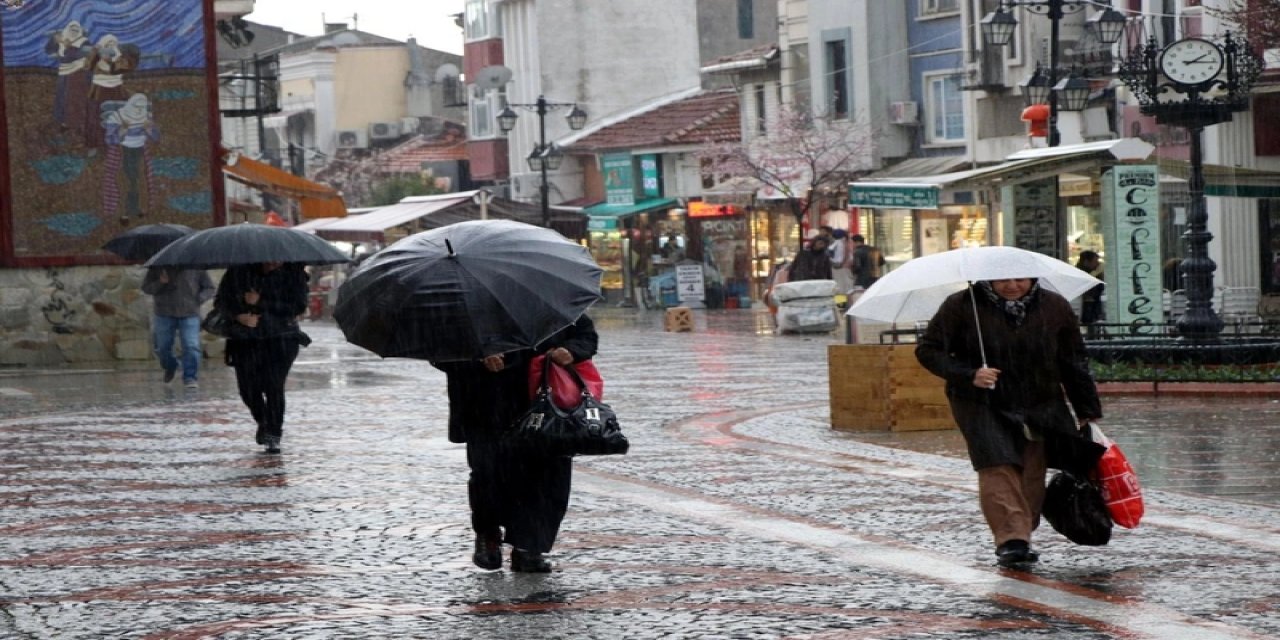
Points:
point(1071, 93)
point(544, 157)
point(1193, 83)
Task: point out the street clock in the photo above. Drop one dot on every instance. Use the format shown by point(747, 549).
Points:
point(1192, 61)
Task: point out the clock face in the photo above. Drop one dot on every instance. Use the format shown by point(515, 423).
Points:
point(1191, 61)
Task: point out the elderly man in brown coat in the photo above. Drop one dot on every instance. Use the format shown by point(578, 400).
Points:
point(1006, 389)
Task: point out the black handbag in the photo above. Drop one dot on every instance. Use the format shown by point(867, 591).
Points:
point(217, 323)
point(1073, 505)
point(589, 429)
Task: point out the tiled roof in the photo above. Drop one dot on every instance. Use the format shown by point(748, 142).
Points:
point(710, 116)
point(448, 146)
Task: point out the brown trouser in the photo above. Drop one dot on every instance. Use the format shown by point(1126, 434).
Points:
point(1011, 495)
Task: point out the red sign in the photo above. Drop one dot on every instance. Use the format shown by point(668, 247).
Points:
point(708, 210)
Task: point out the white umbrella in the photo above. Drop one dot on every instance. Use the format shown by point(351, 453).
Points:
point(915, 290)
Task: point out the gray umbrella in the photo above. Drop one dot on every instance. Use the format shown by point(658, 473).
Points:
point(466, 291)
point(246, 243)
point(142, 242)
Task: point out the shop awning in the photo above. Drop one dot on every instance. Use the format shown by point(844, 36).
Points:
point(602, 217)
point(1234, 182)
point(919, 167)
point(922, 192)
point(372, 226)
point(317, 200)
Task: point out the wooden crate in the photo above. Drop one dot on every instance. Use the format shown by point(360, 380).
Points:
point(884, 388)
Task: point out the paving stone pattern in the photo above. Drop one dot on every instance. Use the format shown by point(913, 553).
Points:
point(133, 510)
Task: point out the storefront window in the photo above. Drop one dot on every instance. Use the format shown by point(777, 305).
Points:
point(1084, 232)
point(724, 248)
point(606, 247)
point(892, 231)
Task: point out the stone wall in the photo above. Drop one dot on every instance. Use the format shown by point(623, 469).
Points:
point(59, 315)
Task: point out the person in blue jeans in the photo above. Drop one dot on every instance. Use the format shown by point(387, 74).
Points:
point(177, 296)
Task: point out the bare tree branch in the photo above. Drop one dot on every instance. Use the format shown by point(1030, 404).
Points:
point(802, 155)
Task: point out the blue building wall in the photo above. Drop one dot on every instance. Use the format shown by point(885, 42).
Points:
point(936, 44)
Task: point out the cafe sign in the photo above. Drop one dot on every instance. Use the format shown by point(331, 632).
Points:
point(873, 195)
point(1131, 215)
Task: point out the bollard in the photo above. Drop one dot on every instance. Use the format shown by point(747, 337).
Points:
point(678, 319)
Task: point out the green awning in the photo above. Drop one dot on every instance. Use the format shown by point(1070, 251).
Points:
point(603, 217)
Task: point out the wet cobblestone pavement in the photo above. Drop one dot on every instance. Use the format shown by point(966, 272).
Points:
point(133, 510)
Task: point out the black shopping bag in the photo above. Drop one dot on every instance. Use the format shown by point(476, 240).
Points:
point(1074, 507)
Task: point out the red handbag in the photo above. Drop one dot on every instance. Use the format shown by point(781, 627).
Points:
point(566, 393)
point(1119, 483)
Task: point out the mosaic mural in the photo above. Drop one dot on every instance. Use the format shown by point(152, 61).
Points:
point(108, 119)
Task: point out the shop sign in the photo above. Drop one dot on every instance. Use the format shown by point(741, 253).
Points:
point(602, 223)
point(649, 176)
point(619, 183)
point(689, 284)
point(708, 210)
point(874, 196)
point(1131, 214)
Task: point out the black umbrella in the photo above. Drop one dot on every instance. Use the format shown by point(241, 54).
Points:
point(467, 290)
point(246, 243)
point(142, 242)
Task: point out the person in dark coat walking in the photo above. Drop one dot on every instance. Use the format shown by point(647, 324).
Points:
point(265, 301)
point(517, 495)
point(1011, 409)
point(814, 263)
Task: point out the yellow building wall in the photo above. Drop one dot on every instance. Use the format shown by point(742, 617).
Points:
point(299, 88)
point(369, 85)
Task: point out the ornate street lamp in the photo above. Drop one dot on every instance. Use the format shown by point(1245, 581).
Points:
point(1193, 83)
point(998, 27)
point(544, 157)
point(1073, 93)
point(1036, 88)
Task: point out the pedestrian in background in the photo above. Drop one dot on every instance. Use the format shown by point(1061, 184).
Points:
point(867, 263)
point(265, 301)
point(813, 263)
point(517, 495)
point(176, 298)
point(841, 260)
point(1091, 302)
point(1009, 404)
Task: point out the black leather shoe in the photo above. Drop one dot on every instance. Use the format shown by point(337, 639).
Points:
point(488, 553)
point(529, 562)
point(273, 445)
point(261, 436)
point(1015, 553)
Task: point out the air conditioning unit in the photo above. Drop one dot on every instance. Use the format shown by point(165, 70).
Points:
point(352, 139)
point(904, 112)
point(409, 126)
point(384, 130)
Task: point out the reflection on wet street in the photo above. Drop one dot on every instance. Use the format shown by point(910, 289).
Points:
point(134, 509)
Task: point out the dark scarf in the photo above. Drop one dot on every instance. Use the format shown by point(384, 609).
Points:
point(1015, 310)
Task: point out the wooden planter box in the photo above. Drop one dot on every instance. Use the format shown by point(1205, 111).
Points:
point(884, 388)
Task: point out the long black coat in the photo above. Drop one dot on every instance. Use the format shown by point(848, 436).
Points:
point(480, 400)
point(1038, 362)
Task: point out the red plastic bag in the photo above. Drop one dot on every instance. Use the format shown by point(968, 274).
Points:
point(565, 391)
point(1119, 484)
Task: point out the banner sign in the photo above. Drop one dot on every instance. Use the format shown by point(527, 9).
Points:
point(1131, 210)
point(619, 181)
point(649, 187)
point(1035, 216)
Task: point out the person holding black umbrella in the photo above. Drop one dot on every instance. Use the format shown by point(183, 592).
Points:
point(518, 496)
point(264, 300)
point(177, 295)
